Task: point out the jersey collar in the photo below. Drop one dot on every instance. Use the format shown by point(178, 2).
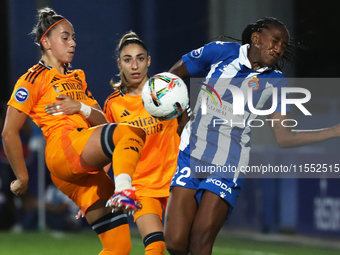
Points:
point(245, 61)
point(41, 62)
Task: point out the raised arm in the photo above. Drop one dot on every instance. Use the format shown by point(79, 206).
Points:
point(180, 70)
point(14, 121)
point(288, 138)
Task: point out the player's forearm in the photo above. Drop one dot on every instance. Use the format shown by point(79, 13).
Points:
point(298, 138)
point(15, 155)
point(96, 117)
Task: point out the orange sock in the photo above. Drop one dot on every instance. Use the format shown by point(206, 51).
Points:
point(154, 244)
point(129, 142)
point(156, 248)
point(114, 233)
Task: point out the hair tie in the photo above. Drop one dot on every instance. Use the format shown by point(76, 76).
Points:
point(50, 28)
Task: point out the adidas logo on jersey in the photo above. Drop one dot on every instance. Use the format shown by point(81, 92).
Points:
point(125, 113)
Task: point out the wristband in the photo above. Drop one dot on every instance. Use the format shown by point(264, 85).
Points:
point(85, 110)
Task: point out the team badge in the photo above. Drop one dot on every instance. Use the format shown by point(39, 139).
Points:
point(254, 84)
point(197, 53)
point(21, 95)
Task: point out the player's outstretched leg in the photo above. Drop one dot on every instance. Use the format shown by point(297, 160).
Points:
point(124, 143)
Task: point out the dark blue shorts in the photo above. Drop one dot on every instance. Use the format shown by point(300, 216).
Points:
point(226, 188)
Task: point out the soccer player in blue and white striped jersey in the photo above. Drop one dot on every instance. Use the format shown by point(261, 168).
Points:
point(215, 136)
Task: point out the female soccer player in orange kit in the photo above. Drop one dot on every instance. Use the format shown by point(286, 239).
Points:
point(59, 102)
point(159, 157)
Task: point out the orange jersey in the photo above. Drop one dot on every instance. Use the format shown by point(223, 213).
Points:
point(159, 157)
point(40, 86)
point(66, 135)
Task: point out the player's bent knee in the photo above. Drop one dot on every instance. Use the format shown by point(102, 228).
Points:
point(125, 131)
point(175, 247)
point(138, 131)
point(106, 139)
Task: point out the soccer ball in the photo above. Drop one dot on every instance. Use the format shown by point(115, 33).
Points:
point(165, 96)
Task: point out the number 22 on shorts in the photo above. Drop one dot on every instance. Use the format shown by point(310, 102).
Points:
point(185, 173)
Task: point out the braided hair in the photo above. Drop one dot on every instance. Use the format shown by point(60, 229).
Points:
point(265, 23)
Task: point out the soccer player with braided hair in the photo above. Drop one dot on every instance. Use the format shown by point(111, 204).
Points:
point(79, 141)
point(198, 207)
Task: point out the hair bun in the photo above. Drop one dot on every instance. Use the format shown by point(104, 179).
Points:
point(46, 12)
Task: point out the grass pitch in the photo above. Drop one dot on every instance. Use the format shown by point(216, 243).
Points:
point(87, 243)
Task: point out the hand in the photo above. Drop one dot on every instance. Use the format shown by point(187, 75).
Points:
point(18, 187)
point(66, 105)
point(80, 214)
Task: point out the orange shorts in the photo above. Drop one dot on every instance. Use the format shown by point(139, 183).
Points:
point(87, 190)
point(63, 161)
point(84, 187)
point(63, 152)
point(155, 205)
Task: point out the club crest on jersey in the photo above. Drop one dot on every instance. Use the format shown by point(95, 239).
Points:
point(254, 84)
point(21, 95)
point(197, 53)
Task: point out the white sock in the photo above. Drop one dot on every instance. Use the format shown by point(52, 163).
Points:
point(123, 181)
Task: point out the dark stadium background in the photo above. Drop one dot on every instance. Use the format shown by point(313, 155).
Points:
point(172, 28)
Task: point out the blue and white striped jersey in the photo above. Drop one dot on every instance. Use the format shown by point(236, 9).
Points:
point(218, 136)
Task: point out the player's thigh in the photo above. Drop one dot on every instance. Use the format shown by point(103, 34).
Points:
point(179, 215)
point(210, 216)
point(87, 190)
point(93, 155)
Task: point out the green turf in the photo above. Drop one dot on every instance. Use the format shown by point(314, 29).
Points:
point(87, 243)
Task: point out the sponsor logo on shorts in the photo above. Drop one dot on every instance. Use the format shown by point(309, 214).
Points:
point(21, 95)
point(220, 184)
